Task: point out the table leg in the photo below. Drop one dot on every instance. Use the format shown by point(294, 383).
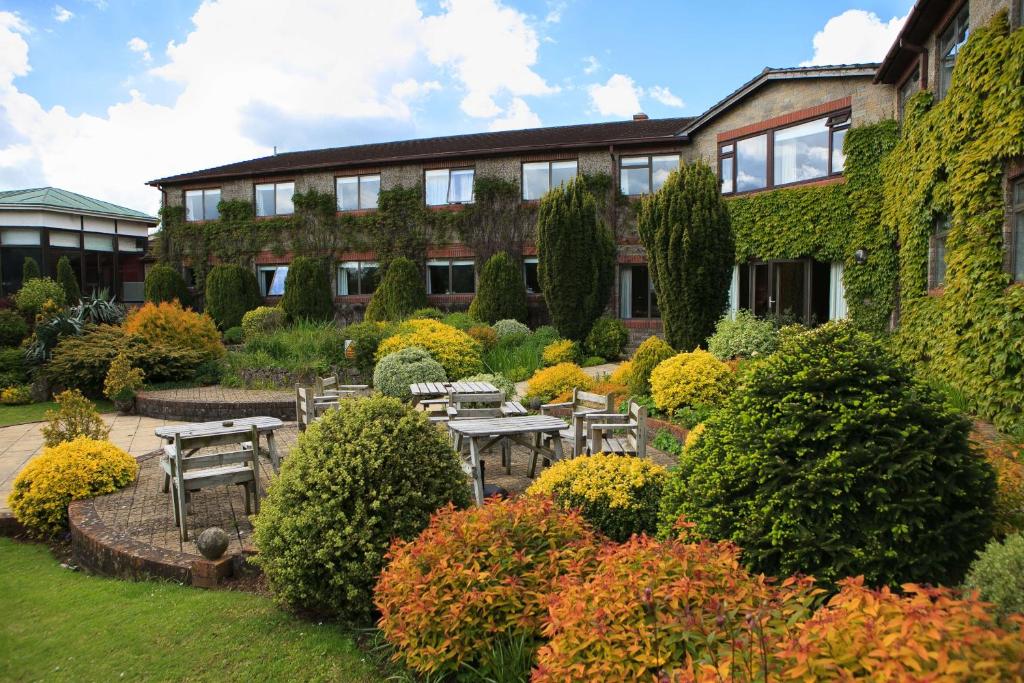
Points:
point(556, 445)
point(506, 452)
point(275, 458)
point(533, 454)
point(478, 476)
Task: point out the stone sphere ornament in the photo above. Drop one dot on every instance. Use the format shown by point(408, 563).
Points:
point(212, 543)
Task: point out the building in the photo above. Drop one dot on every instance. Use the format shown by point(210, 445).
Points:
point(105, 243)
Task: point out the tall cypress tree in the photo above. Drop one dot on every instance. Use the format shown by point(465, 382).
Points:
point(502, 291)
point(30, 270)
point(687, 233)
point(68, 281)
point(576, 258)
point(400, 292)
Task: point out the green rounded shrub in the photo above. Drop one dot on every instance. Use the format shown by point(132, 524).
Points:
point(36, 292)
point(460, 320)
point(998, 574)
point(68, 281)
point(651, 352)
point(13, 328)
point(164, 283)
point(830, 460)
point(233, 335)
point(501, 293)
point(411, 365)
point(29, 270)
point(357, 479)
point(261, 320)
point(13, 368)
point(744, 336)
point(511, 328)
point(366, 338)
point(401, 291)
point(231, 292)
point(607, 338)
point(429, 313)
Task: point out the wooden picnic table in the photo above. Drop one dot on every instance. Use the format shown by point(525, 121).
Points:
point(529, 431)
point(424, 390)
point(265, 426)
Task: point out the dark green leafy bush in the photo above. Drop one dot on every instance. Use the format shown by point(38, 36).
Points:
point(829, 460)
point(357, 479)
point(233, 335)
point(365, 337)
point(501, 293)
point(13, 328)
point(164, 283)
point(29, 269)
point(36, 292)
point(13, 368)
point(307, 290)
point(998, 574)
point(401, 292)
point(461, 320)
point(429, 313)
point(607, 338)
point(231, 292)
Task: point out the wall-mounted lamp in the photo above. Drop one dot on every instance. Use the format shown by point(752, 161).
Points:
point(860, 256)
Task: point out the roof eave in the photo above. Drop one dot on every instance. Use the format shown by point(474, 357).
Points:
point(79, 212)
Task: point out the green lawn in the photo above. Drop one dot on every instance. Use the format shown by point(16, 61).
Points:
point(14, 415)
point(61, 625)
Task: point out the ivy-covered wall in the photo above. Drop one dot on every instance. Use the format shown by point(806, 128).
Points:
point(951, 159)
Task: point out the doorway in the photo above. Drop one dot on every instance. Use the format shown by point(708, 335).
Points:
point(791, 290)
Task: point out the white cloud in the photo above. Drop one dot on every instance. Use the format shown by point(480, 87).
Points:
point(590, 64)
point(410, 88)
point(855, 36)
point(518, 115)
point(137, 44)
point(620, 96)
point(62, 14)
point(665, 96)
point(555, 10)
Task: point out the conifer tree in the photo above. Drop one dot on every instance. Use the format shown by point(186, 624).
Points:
point(68, 281)
point(30, 270)
point(501, 294)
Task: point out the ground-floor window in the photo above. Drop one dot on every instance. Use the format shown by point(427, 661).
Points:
point(937, 252)
point(636, 293)
point(271, 279)
point(357, 277)
point(131, 270)
point(531, 276)
point(450, 277)
point(1017, 241)
point(790, 290)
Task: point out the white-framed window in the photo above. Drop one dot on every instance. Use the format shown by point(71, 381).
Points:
point(357, 192)
point(531, 275)
point(951, 42)
point(357, 277)
point(637, 298)
point(272, 279)
point(645, 174)
point(201, 205)
point(450, 276)
point(275, 199)
point(448, 186)
point(541, 176)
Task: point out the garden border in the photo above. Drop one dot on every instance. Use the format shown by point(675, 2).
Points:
point(150, 404)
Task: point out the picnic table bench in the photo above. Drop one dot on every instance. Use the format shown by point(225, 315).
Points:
point(265, 426)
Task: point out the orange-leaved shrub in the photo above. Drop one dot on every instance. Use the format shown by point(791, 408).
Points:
point(926, 634)
point(1005, 459)
point(475, 579)
point(668, 610)
point(168, 324)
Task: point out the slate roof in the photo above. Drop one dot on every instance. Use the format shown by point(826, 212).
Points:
point(56, 199)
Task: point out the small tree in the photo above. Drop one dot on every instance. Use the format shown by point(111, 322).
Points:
point(68, 281)
point(501, 294)
point(315, 230)
point(231, 292)
point(686, 231)
point(307, 290)
point(30, 270)
point(164, 283)
point(401, 292)
point(576, 259)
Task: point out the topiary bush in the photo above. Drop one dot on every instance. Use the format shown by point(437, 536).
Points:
point(617, 494)
point(504, 384)
point(410, 365)
point(73, 470)
point(648, 355)
point(164, 283)
point(34, 293)
point(690, 379)
point(231, 292)
point(501, 292)
point(561, 351)
point(476, 579)
point(168, 324)
point(357, 479)
point(607, 338)
point(829, 460)
point(68, 281)
point(998, 574)
point(669, 611)
point(261, 320)
point(510, 328)
point(74, 417)
point(401, 291)
point(744, 336)
point(307, 290)
point(13, 328)
point(550, 382)
point(455, 350)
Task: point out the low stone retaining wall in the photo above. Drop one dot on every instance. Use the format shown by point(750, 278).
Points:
point(212, 403)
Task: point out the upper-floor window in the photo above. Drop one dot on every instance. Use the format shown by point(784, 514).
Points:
point(357, 277)
point(449, 186)
point(357, 192)
point(201, 205)
point(950, 43)
point(271, 279)
point(531, 275)
point(1018, 231)
point(910, 87)
point(644, 175)
point(275, 199)
point(541, 176)
point(450, 277)
point(937, 252)
point(784, 156)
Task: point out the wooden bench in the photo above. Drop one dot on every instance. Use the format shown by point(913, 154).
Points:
point(582, 403)
point(623, 433)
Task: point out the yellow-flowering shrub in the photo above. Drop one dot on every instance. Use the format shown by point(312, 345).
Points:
point(75, 416)
point(618, 494)
point(122, 379)
point(456, 351)
point(693, 436)
point(550, 382)
point(72, 470)
point(168, 324)
point(16, 395)
point(622, 374)
point(560, 351)
point(618, 391)
point(690, 379)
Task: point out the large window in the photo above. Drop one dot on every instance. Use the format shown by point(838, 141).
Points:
point(272, 280)
point(1018, 231)
point(450, 277)
point(541, 176)
point(910, 87)
point(950, 43)
point(275, 199)
point(449, 186)
point(644, 175)
point(201, 205)
point(937, 252)
point(531, 276)
point(784, 156)
point(636, 293)
point(357, 277)
point(357, 192)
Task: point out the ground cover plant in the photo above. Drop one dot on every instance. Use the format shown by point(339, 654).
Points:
point(36, 412)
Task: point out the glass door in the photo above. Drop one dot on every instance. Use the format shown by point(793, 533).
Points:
point(790, 290)
point(762, 300)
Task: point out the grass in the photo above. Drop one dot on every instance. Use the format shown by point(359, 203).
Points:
point(66, 626)
point(306, 347)
point(517, 358)
point(33, 412)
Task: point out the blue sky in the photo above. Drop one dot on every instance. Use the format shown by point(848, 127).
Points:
point(98, 96)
